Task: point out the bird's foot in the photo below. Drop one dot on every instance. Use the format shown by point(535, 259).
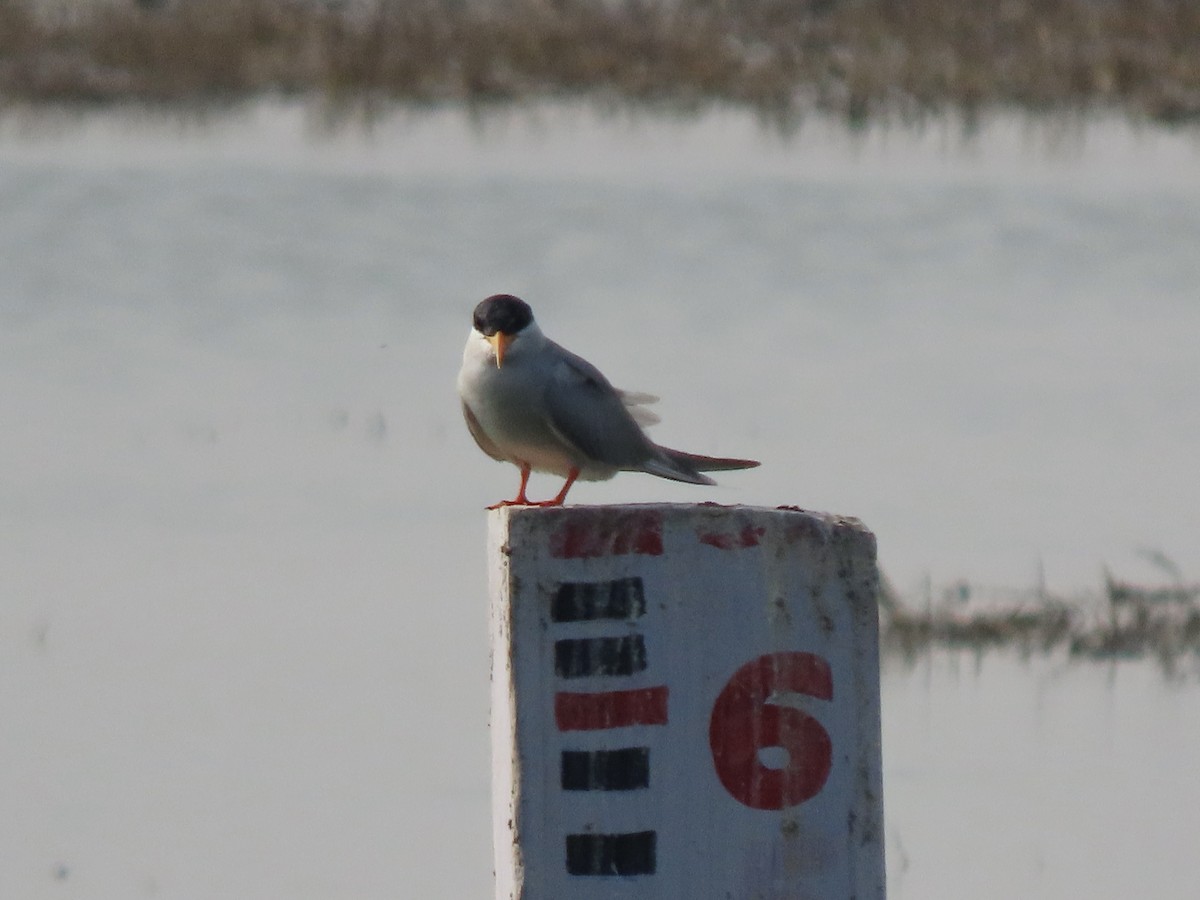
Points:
point(523, 502)
point(520, 501)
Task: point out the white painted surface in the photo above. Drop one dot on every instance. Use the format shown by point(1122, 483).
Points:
point(722, 587)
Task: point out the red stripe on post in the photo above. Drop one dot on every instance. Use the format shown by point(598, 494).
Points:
point(749, 536)
point(614, 534)
point(610, 709)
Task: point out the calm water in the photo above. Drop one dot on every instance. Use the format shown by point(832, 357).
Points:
point(242, 646)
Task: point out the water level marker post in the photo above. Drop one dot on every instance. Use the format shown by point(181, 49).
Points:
point(685, 704)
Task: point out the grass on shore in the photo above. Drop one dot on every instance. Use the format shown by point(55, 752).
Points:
point(1127, 621)
point(861, 60)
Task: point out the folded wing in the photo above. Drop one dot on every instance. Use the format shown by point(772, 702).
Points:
point(602, 423)
point(592, 416)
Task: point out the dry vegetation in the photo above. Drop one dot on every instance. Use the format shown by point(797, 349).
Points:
point(1126, 622)
point(858, 59)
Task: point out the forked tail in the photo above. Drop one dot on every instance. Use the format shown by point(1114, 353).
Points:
point(709, 463)
point(680, 466)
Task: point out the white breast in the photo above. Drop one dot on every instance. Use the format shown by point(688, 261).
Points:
point(508, 403)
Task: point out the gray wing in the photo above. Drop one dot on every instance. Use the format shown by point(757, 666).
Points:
point(590, 414)
point(481, 438)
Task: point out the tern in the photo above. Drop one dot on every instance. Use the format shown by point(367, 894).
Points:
point(532, 403)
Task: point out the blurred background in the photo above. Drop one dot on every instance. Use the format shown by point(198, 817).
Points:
point(934, 264)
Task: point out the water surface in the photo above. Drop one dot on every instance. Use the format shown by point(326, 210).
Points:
point(242, 647)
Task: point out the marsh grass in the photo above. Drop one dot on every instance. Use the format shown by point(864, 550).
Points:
point(861, 60)
point(1124, 621)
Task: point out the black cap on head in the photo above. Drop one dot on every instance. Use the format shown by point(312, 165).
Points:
point(502, 313)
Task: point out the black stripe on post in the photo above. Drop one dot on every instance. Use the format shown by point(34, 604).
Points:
point(611, 854)
point(581, 601)
point(606, 770)
point(580, 657)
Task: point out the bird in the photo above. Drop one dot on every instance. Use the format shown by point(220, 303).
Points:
point(535, 404)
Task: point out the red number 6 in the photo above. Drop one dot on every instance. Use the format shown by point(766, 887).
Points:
point(747, 718)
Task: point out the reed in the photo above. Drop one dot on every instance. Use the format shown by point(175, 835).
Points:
point(1122, 621)
point(862, 60)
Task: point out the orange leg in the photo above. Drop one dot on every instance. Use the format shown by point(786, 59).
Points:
point(520, 499)
point(561, 495)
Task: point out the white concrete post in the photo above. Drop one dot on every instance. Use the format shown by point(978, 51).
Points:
point(685, 704)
